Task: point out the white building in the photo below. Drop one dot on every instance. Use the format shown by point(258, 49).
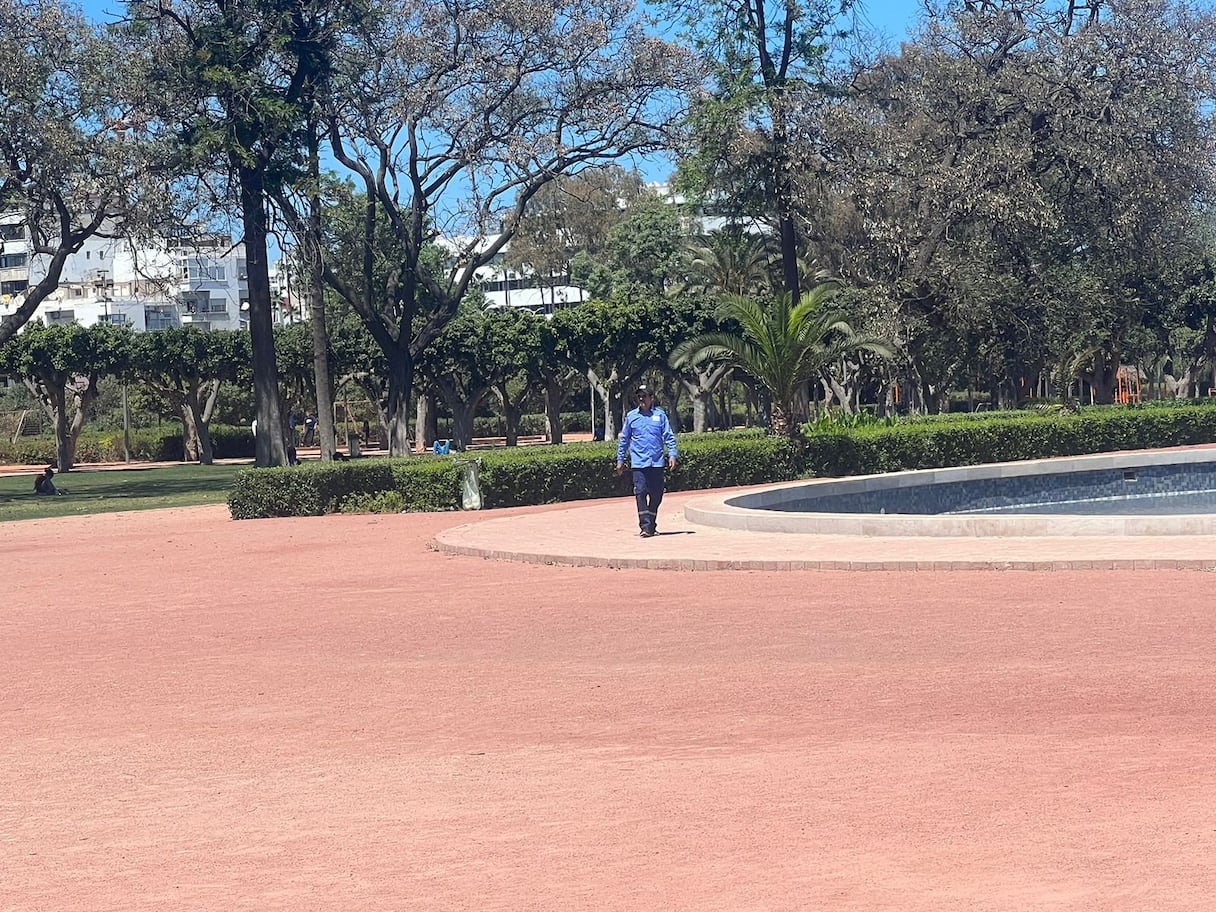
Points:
point(189, 280)
point(506, 287)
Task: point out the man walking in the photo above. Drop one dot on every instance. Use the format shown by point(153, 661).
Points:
point(644, 436)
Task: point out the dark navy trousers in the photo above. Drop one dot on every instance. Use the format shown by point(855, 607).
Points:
point(648, 489)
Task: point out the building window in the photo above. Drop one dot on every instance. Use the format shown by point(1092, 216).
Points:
point(12, 260)
point(14, 287)
point(60, 317)
point(158, 317)
point(114, 319)
point(12, 232)
point(206, 272)
point(213, 306)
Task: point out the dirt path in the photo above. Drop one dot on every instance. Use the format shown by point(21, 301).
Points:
point(324, 714)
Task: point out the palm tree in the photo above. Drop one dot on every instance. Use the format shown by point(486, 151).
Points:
point(729, 260)
point(782, 346)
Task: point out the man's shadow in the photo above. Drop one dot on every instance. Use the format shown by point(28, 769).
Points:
point(680, 532)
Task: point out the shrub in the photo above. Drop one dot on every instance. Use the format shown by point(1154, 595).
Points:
point(421, 484)
point(162, 444)
point(381, 502)
point(426, 485)
point(732, 458)
point(512, 478)
point(156, 444)
point(508, 477)
point(1004, 437)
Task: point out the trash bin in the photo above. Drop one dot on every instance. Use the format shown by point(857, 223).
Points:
point(352, 443)
point(470, 488)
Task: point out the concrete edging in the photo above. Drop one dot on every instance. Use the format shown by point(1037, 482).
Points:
point(702, 564)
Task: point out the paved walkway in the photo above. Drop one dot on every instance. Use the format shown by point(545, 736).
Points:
point(323, 713)
point(604, 534)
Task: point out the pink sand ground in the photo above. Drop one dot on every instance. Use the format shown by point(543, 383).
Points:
point(325, 714)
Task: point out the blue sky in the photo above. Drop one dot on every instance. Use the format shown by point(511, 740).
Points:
point(893, 17)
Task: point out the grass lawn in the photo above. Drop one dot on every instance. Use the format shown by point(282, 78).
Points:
point(112, 490)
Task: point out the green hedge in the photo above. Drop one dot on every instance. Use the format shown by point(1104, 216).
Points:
point(423, 484)
point(533, 475)
point(966, 441)
point(159, 444)
point(508, 477)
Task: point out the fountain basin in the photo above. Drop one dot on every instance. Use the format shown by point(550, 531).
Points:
point(1159, 492)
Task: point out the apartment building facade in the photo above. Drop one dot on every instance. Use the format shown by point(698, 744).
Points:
point(191, 279)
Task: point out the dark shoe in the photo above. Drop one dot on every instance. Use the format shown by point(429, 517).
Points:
point(648, 533)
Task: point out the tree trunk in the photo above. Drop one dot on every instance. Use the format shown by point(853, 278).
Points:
point(463, 411)
point(190, 443)
point(425, 426)
point(1102, 379)
point(270, 442)
point(397, 408)
point(316, 306)
point(63, 436)
point(555, 397)
point(511, 412)
point(669, 400)
point(603, 390)
point(779, 422)
point(204, 424)
point(702, 409)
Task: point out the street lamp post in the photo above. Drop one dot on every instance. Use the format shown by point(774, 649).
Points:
point(102, 287)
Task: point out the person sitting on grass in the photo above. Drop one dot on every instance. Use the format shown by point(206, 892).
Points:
point(43, 484)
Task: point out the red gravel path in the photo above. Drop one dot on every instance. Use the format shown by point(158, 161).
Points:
point(323, 714)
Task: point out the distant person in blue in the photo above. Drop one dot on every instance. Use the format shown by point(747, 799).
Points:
point(644, 437)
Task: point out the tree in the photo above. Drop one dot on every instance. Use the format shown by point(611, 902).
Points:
point(455, 115)
point(511, 350)
point(768, 64)
point(62, 366)
point(1014, 156)
point(683, 318)
point(556, 373)
point(613, 343)
point(236, 83)
point(646, 248)
point(187, 366)
point(571, 215)
point(455, 367)
point(72, 164)
point(782, 345)
point(729, 261)
point(304, 217)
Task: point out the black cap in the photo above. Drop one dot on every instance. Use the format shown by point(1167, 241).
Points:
point(645, 390)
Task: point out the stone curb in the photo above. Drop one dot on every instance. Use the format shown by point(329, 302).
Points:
point(701, 564)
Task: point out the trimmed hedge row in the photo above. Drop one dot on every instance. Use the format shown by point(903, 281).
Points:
point(534, 475)
point(160, 444)
point(423, 483)
point(508, 478)
point(930, 445)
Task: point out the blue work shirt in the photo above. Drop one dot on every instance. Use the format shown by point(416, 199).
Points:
point(644, 435)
